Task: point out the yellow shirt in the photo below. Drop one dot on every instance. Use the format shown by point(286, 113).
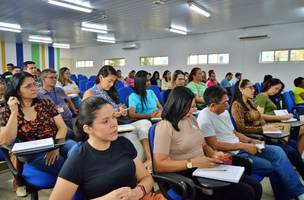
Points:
point(296, 92)
point(165, 85)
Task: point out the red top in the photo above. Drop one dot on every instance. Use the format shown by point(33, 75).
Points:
point(42, 127)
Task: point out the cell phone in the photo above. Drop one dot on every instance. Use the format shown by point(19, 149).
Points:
point(123, 110)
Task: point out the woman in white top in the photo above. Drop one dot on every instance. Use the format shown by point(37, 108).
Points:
point(70, 88)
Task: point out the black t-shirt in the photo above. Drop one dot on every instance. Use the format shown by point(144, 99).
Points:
point(99, 172)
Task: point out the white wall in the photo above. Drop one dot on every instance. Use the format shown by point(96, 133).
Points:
point(244, 55)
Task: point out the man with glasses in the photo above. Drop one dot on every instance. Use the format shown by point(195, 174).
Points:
point(62, 102)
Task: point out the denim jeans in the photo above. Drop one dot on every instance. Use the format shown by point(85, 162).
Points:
point(293, 154)
point(273, 162)
point(38, 161)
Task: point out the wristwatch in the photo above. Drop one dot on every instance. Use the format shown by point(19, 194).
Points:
point(189, 164)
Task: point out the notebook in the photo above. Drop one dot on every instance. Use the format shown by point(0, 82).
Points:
point(125, 128)
point(284, 112)
point(228, 173)
point(35, 145)
point(156, 119)
point(275, 134)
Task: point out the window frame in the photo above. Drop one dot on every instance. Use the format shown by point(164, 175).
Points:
point(111, 59)
point(153, 57)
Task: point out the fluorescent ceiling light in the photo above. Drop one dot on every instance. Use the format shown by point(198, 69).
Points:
point(38, 38)
point(94, 30)
point(73, 4)
point(108, 39)
point(98, 28)
point(10, 27)
point(199, 9)
point(61, 45)
point(183, 32)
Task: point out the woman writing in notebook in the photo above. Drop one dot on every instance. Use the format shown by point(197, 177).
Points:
point(179, 146)
point(105, 88)
point(248, 120)
point(271, 88)
point(27, 118)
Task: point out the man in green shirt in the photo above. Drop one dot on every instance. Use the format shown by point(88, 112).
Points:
point(197, 86)
point(299, 90)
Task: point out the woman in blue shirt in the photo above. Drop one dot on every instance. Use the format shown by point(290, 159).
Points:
point(143, 102)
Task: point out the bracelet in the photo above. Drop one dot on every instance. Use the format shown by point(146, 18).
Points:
point(143, 189)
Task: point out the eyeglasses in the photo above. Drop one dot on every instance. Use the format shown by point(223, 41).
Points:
point(31, 86)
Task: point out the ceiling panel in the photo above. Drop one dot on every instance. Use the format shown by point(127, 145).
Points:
point(132, 20)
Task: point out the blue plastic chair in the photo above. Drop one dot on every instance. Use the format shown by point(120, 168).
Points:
point(90, 84)
point(83, 86)
point(119, 84)
point(156, 90)
point(92, 78)
point(123, 94)
point(82, 78)
point(291, 105)
point(166, 180)
point(163, 97)
point(258, 87)
point(33, 178)
point(74, 78)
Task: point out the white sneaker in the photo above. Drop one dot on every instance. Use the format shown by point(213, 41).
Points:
point(21, 191)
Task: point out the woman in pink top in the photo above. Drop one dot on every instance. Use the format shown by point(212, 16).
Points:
point(212, 79)
point(130, 79)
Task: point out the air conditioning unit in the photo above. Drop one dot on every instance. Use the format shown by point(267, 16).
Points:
point(254, 37)
point(130, 46)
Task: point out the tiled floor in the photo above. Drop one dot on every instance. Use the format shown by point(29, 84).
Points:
point(6, 192)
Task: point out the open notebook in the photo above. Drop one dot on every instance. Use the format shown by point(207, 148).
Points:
point(226, 173)
point(125, 128)
point(284, 112)
point(35, 145)
point(275, 134)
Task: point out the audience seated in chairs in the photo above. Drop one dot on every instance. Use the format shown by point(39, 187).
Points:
point(70, 87)
point(57, 95)
point(298, 91)
point(197, 86)
point(225, 83)
point(143, 102)
point(212, 78)
point(130, 79)
point(155, 80)
point(270, 89)
point(166, 80)
point(178, 79)
point(105, 89)
point(180, 147)
point(218, 130)
point(249, 120)
point(102, 151)
point(28, 118)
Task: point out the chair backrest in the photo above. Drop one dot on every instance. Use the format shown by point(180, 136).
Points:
point(156, 90)
point(123, 94)
point(258, 87)
point(119, 84)
point(163, 97)
point(93, 78)
point(74, 78)
point(82, 78)
point(90, 84)
point(289, 101)
point(83, 85)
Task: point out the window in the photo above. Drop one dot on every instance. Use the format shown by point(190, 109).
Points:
point(267, 56)
point(115, 62)
point(84, 63)
point(282, 55)
point(161, 60)
point(197, 59)
point(218, 58)
point(297, 55)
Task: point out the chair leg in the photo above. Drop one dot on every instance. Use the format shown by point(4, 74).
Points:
point(34, 195)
